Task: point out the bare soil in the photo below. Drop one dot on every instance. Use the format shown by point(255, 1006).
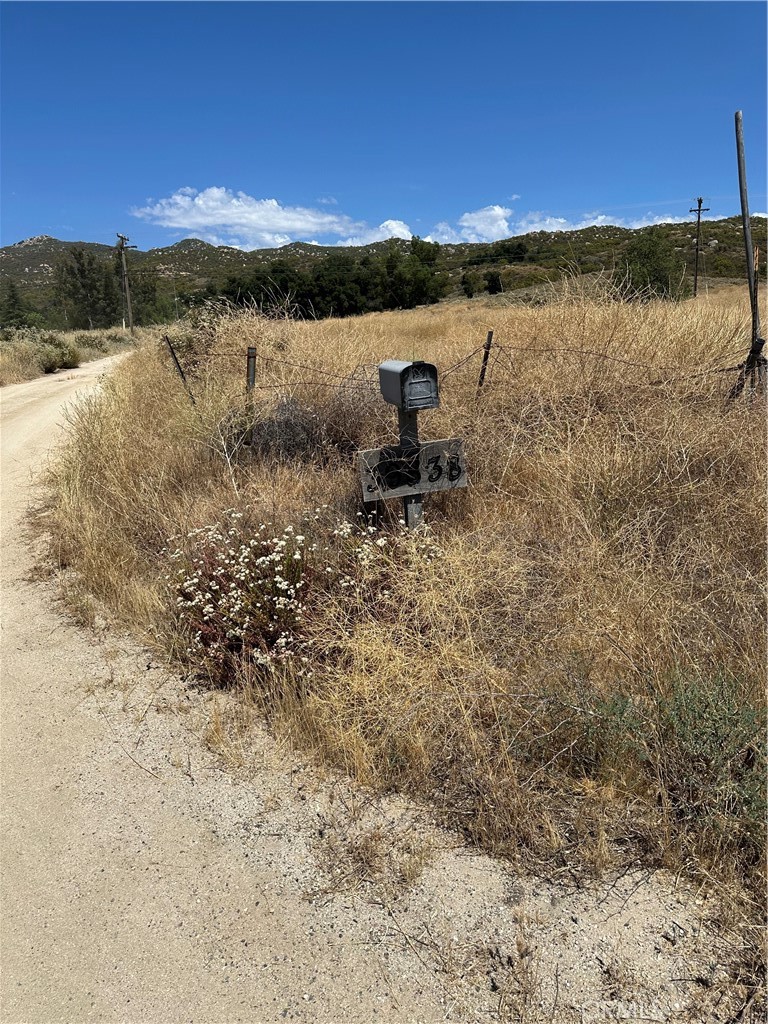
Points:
point(152, 874)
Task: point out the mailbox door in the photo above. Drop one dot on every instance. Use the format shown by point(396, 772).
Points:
point(420, 388)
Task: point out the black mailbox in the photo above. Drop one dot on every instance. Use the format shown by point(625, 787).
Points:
point(410, 386)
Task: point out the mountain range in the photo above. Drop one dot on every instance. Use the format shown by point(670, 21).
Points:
point(191, 264)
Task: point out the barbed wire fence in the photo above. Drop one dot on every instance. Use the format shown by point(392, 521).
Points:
point(502, 366)
point(296, 427)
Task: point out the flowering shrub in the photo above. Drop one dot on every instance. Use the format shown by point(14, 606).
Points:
point(239, 597)
point(239, 593)
point(367, 557)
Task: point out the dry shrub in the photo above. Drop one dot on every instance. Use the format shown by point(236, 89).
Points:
point(26, 352)
point(19, 361)
point(569, 663)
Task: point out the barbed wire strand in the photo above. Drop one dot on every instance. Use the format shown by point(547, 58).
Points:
point(461, 362)
point(646, 366)
point(345, 382)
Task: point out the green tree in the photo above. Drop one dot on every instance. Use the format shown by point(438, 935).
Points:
point(79, 288)
point(508, 251)
point(147, 305)
point(493, 282)
point(109, 303)
point(143, 287)
point(343, 284)
point(651, 267)
point(424, 252)
point(13, 312)
point(472, 283)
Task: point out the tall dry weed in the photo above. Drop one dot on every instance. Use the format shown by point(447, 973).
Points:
point(570, 661)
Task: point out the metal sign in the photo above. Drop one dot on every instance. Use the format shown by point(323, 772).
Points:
point(399, 471)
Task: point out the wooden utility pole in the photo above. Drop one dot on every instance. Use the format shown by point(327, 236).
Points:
point(755, 366)
point(122, 245)
point(747, 226)
point(698, 212)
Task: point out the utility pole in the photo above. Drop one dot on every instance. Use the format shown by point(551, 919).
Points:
point(122, 246)
point(754, 367)
point(698, 212)
point(750, 253)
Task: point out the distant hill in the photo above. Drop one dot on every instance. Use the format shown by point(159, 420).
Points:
point(30, 263)
point(191, 262)
point(192, 265)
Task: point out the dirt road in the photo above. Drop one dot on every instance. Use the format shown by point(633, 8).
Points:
point(144, 884)
point(120, 901)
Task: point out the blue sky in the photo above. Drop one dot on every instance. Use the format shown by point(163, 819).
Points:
point(258, 124)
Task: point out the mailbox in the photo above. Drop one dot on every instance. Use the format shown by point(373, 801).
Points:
point(410, 386)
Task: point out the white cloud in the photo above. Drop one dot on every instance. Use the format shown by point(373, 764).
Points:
point(494, 222)
point(485, 225)
point(389, 229)
point(443, 232)
point(223, 217)
point(650, 219)
point(539, 221)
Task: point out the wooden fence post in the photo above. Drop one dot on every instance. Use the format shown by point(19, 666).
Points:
point(486, 353)
point(179, 370)
point(250, 384)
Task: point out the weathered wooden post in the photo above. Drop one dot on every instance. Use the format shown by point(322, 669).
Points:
point(409, 469)
point(250, 384)
point(747, 226)
point(251, 369)
point(179, 369)
point(408, 427)
point(755, 365)
point(484, 367)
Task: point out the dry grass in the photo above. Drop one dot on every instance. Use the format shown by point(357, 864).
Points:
point(26, 353)
point(570, 664)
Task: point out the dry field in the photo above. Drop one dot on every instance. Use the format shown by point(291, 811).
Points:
point(568, 663)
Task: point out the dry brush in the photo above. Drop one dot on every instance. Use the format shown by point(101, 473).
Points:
point(568, 663)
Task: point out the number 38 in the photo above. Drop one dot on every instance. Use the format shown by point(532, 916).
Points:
point(436, 469)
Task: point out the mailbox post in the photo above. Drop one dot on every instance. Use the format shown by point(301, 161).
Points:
point(409, 469)
point(413, 504)
point(411, 386)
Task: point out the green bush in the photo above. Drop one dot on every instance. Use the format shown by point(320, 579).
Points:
point(651, 268)
point(692, 747)
point(70, 354)
point(94, 342)
point(49, 357)
point(115, 338)
point(706, 750)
